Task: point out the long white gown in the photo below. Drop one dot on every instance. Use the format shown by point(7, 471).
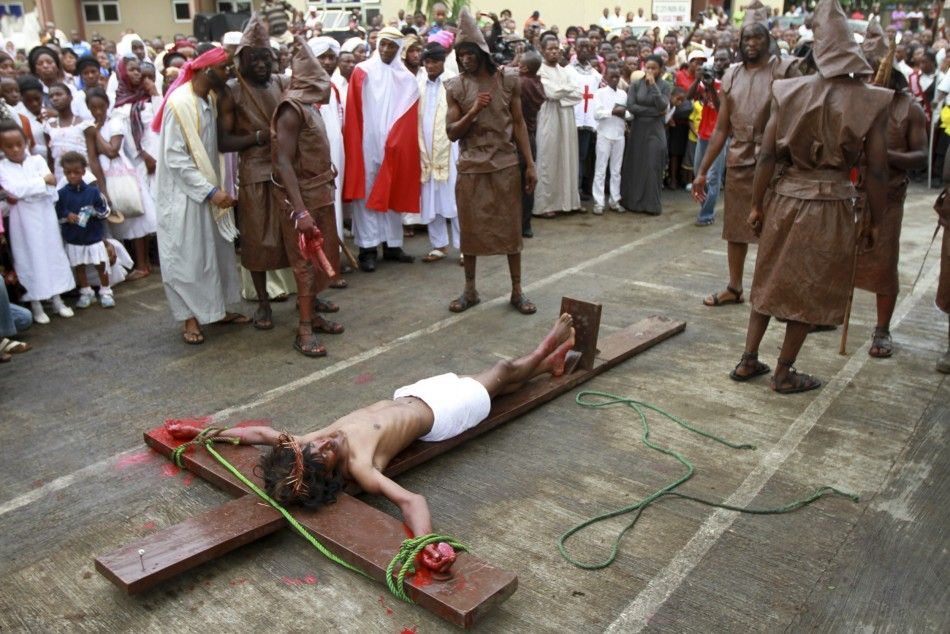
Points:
point(557, 161)
point(119, 125)
point(199, 267)
point(35, 239)
point(438, 197)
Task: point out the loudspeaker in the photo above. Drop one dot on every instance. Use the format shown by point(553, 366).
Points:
point(211, 27)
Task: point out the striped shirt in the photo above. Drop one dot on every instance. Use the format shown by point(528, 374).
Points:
point(276, 14)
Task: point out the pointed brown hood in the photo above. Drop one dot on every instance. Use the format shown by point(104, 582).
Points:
point(756, 13)
point(309, 83)
point(469, 33)
point(255, 35)
point(836, 53)
point(875, 45)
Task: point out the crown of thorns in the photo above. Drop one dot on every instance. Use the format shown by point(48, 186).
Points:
point(294, 479)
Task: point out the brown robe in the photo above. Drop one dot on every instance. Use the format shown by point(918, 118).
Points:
point(943, 286)
point(488, 188)
point(749, 95)
point(877, 268)
point(262, 248)
point(316, 179)
point(806, 252)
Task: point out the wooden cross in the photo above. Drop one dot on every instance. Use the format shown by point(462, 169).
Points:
point(474, 586)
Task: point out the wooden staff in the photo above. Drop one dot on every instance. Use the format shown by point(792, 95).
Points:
point(349, 255)
point(842, 348)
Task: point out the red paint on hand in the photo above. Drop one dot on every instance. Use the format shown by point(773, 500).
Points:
point(183, 429)
point(438, 557)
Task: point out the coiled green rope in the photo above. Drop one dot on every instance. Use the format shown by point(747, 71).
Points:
point(404, 558)
point(597, 400)
point(407, 554)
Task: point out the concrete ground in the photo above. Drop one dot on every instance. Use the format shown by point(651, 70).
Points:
point(77, 481)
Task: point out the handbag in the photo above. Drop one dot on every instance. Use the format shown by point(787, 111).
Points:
point(123, 186)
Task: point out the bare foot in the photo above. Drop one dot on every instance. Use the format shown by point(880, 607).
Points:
point(554, 362)
point(556, 336)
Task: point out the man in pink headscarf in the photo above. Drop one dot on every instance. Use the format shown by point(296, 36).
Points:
point(195, 219)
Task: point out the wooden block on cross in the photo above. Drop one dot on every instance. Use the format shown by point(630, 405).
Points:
point(475, 586)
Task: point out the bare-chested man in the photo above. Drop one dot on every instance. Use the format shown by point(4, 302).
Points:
point(311, 469)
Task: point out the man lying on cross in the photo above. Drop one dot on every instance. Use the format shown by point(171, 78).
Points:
point(310, 470)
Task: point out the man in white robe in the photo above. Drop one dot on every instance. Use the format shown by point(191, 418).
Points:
point(439, 156)
point(381, 138)
point(557, 162)
point(195, 218)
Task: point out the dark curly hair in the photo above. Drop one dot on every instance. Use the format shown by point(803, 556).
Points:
point(293, 475)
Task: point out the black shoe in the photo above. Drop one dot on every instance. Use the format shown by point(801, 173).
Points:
point(396, 254)
point(527, 233)
point(367, 260)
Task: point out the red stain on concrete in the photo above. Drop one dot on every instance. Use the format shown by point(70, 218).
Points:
point(363, 379)
point(170, 470)
point(310, 580)
point(188, 479)
point(139, 457)
point(409, 630)
point(149, 525)
point(240, 581)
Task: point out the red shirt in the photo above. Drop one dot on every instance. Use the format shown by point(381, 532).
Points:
point(707, 121)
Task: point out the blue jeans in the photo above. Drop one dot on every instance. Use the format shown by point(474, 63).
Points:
point(13, 318)
point(713, 178)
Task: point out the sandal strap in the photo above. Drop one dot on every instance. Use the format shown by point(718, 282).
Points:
point(750, 356)
point(735, 291)
point(787, 363)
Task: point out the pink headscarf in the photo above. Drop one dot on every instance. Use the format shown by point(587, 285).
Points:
point(214, 57)
point(444, 38)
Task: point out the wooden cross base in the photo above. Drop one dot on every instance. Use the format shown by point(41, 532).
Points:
point(354, 531)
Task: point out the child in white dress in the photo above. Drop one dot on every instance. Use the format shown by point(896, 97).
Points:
point(38, 253)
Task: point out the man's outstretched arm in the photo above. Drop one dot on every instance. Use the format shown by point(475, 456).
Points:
point(415, 509)
point(246, 435)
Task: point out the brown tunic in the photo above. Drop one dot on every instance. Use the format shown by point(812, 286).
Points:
point(315, 177)
point(262, 248)
point(943, 287)
point(488, 188)
point(877, 268)
point(749, 95)
point(806, 252)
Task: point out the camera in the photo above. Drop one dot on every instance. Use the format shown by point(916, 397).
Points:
point(709, 75)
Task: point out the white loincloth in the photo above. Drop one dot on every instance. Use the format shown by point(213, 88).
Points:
point(458, 403)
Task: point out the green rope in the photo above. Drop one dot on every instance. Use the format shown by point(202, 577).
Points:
point(407, 554)
point(596, 400)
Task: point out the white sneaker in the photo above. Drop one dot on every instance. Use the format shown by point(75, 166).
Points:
point(85, 298)
point(39, 315)
point(106, 300)
point(598, 210)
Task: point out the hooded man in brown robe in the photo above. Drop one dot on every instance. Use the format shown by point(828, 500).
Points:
point(943, 286)
point(304, 177)
point(244, 115)
point(744, 102)
point(484, 115)
point(906, 139)
point(818, 128)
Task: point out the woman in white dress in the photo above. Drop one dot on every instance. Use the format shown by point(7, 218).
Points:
point(136, 101)
point(35, 239)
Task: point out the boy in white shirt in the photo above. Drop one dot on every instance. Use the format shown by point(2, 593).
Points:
point(609, 111)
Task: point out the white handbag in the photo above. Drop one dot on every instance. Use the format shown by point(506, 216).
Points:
point(123, 185)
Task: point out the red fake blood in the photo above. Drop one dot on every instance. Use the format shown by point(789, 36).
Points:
point(291, 581)
point(382, 602)
point(423, 576)
point(240, 581)
point(408, 530)
point(139, 457)
point(188, 479)
point(170, 470)
point(310, 580)
point(149, 526)
point(408, 630)
point(363, 379)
